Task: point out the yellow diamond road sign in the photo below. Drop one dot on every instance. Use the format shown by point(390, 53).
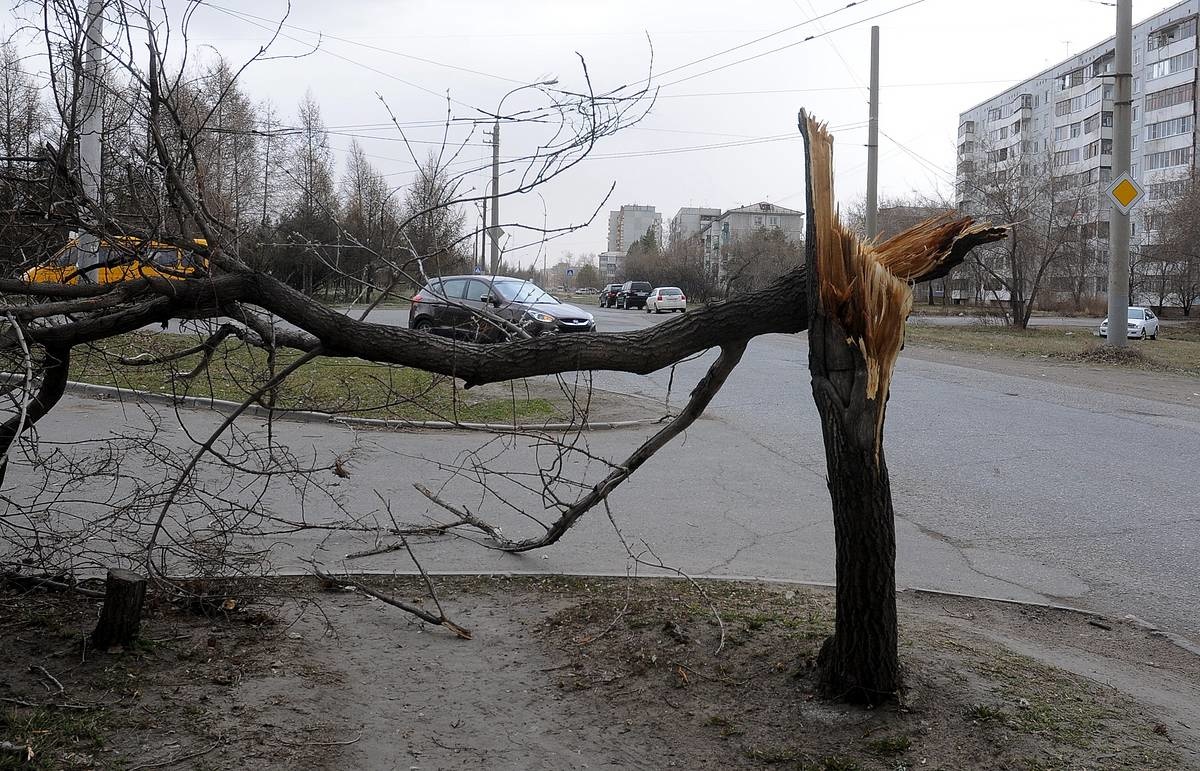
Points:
point(1125, 192)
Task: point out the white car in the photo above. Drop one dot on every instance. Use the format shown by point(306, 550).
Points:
point(666, 298)
point(1142, 324)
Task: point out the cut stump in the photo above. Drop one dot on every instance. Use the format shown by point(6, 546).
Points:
point(121, 616)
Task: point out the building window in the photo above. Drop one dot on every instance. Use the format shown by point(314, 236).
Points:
point(1169, 35)
point(1170, 97)
point(1168, 158)
point(1176, 63)
point(1076, 130)
point(995, 114)
point(1063, 157)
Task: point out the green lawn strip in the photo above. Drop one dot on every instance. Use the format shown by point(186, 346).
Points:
point(350, 387)
point(1176, 350)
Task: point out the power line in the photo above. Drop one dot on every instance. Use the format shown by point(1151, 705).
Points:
point(833, 45)
point(368, 46)
point(237, 15)
point(794, 44)
point(834, 88)
point(760, 39)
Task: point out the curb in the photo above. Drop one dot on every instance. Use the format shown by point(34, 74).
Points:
point(312, 416)
point(1154, 631)
point(1178, 640)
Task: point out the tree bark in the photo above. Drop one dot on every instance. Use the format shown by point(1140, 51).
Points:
point(121, 616)
point(858, 298)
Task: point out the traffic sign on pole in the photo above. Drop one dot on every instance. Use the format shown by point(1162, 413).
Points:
point(1125, 192)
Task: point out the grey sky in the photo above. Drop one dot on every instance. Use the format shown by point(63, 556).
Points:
point(938, 58)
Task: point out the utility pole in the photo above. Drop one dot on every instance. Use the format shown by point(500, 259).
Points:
point(495, 232)
point(1118, 223)
point(91, 130)
point(873, 141)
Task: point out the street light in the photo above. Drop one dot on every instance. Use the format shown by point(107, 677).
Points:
point(495, 229)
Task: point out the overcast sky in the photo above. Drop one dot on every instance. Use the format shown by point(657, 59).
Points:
point(939, 57)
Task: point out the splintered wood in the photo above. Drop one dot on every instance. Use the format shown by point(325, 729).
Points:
point(867, 287)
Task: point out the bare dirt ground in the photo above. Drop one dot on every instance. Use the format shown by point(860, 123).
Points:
point(579, 673)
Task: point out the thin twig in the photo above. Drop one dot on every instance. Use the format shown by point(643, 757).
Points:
point(321, 744)
point(52, 678)
point(180, 758)
point(424, 615)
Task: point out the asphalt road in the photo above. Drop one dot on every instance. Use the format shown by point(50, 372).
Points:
point(1004, 485)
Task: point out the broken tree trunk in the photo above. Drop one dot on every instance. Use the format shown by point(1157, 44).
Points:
point(121, 616)
point(859, 296)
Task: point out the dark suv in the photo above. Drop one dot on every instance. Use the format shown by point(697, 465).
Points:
point(608, 295)
point(633, 294)
point(448, 306)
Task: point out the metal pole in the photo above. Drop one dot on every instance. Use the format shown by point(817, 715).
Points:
point(496, 196)
point(90, 132)
point(1118, 223)
point(873, 141)
point(483, 238)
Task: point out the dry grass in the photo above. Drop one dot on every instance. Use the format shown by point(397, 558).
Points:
point(1177, 349)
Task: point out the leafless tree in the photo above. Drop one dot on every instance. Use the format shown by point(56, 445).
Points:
point(193, 513)
point(1046, 209)
point(1174, 259)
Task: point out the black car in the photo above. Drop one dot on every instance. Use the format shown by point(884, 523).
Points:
point(450, 306)
point(633, 294)
point(608, 295)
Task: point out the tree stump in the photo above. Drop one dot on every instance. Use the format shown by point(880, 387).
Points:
point(121, 616)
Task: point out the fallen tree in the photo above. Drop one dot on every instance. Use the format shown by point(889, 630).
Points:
point(852, 298)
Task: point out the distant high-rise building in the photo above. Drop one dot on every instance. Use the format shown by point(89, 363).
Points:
point(1057, 127)
point(629, 223)
point(690, 220)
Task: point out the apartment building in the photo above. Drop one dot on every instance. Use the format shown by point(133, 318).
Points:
point(629, 223)
point(735, 224)
point(1057, 125)
point(690, 220)
point(610, 265)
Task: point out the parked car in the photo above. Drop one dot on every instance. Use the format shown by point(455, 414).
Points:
point(608, 295)
point(633, 294)
point(587, 290)
point(666, 298)
point(445, 305)
point(1142, 323)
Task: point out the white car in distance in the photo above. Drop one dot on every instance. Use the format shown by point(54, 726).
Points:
point(1142, 324)
point(666, 298)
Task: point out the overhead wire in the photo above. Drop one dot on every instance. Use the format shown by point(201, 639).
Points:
point(793, 44)
point(368, 46)
point(756, 40)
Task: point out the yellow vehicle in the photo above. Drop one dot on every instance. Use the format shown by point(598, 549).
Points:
point(120, 258)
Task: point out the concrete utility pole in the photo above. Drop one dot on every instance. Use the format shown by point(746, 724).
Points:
point(91, 106)
point(1118, 223)
point(495, 231)
point(873, 141)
